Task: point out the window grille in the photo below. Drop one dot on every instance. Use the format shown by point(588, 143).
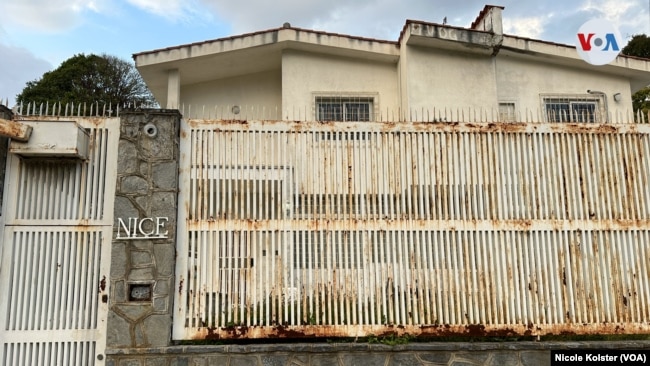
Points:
point(507, 112)
point(353, 109)
point(572, 109)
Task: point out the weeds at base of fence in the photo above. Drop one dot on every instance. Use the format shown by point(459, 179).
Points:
point(390, 339)
point(395, 340)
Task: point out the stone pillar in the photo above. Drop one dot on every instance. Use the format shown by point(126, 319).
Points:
point(143, 251)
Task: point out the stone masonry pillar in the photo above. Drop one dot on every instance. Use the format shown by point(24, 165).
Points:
point(144, 230)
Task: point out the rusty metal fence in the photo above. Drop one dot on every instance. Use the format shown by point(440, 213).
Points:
point(303, 229)
point(55, 252)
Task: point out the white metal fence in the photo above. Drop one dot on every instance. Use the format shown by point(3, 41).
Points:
point(557, 110)
point(56, 253)
point(349, 229)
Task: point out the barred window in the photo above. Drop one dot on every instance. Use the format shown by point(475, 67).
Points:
point(357, 109)
point(572, 109)
point(507, 112)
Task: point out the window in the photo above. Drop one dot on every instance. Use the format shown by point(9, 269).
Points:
point(573, 109)
point(507, 112)
point(344, 108)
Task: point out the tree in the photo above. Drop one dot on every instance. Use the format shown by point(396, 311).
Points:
point(639, 46)
point(89, 79)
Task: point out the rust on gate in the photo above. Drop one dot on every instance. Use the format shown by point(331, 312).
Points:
point(322, 229)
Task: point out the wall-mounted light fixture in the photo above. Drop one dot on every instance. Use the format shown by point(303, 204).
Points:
point(617, 97)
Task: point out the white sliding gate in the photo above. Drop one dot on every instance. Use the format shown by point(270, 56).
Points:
point(55, 254)
point(351, 229)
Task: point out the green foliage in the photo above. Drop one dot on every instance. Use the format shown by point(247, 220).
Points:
point(641, 100)
point(638, 46)
point(391, 339)
point(89, 79)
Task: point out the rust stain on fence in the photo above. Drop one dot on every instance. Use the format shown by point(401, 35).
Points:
point(427, 229)
point(420, 331)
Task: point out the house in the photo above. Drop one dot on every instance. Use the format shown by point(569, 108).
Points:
point(354, 183)
point(307, 184)
point(431, 70)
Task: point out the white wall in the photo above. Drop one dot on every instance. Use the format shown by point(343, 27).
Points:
point(259, 95)
point(522, 81)
point(306, 74)
point(442, 79)
point(426, 78)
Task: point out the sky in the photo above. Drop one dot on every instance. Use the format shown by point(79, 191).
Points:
point(37, 35)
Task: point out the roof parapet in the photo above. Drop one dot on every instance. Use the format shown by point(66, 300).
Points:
point(489, 20)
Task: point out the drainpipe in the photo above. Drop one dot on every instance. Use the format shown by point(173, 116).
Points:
point(596, 92)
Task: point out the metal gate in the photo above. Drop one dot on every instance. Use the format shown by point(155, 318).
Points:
point(349, 229)
point(56, 253)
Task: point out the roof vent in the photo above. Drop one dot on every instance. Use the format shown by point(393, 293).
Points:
point(286, 25)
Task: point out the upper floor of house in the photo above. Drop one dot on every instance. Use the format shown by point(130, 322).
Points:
point(433, 72)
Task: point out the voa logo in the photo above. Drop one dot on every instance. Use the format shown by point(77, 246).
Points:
point(598, 42)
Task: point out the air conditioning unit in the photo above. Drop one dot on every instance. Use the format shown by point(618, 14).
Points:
point(63, 139)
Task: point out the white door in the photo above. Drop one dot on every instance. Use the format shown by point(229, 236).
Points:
point(55, 254)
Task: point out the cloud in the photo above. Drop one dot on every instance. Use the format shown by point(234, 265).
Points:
point(17, 66)
point(529, 27)
point(382, 19)
point(172, 10)
point(47, 16)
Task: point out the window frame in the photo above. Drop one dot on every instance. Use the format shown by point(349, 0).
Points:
point(569, 108)
point(345, 99)
point(509, 115)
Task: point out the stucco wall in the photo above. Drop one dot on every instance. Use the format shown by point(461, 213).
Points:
point(305, 75)
point(258, 95)
point(446, 79)
point(522, 81)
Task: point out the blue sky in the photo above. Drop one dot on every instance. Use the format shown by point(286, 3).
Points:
point(37, 35)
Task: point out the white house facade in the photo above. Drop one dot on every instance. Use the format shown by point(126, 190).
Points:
point(302, 184)
point(432, 72)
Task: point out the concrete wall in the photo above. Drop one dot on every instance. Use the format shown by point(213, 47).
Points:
point(256, 94)
point(424, 79)
point(448, 79)
point(147, 183)
point(522, 80)
point(307, 75)
point(344, 354)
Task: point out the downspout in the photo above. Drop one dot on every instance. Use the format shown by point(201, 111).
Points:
point(596, 92)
